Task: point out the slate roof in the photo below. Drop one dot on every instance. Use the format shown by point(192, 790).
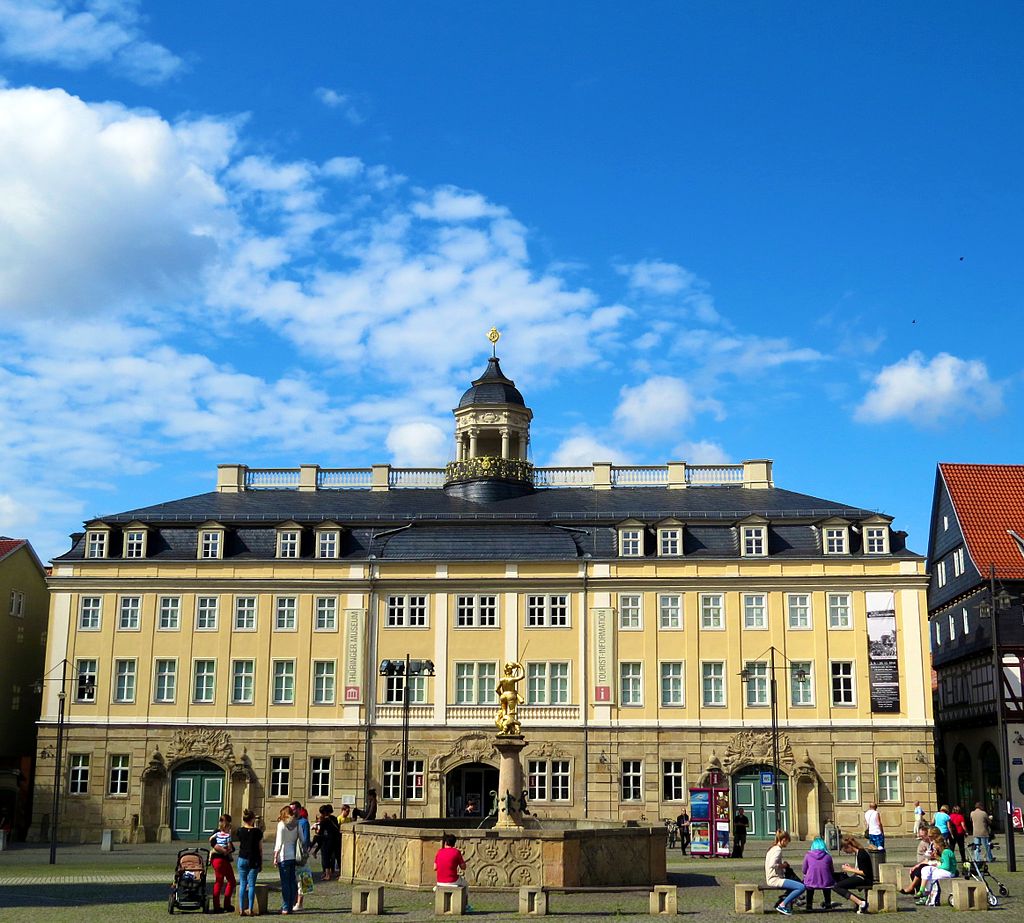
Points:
point(493, 387)
point(989, 504)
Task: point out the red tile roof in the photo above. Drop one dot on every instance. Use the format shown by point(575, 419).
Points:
point(989, 504)
point(7, 545)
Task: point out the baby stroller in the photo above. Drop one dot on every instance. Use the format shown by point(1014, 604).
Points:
point(979, 871)
point(188, 892)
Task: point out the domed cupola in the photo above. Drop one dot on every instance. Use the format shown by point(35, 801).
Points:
point(492, 438)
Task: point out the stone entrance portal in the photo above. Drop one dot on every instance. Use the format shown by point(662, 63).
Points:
point(469, 784)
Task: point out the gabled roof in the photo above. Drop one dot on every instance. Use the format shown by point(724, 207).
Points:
point(989, 504)
point(10, 545)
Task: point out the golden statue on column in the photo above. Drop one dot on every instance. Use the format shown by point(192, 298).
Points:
point(509, 699)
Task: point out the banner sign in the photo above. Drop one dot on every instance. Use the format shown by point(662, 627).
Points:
point(604, 655)
point(883, 664)
point(352, 670)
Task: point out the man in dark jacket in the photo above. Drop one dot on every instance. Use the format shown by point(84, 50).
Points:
point(740, 823)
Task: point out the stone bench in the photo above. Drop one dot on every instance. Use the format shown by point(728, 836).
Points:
point(969, 894)
point(534, 900)
point(749, 898)
point(368, 899)
point(450, 901)
point(892, 873)
point(881, 898)
point(261, 900)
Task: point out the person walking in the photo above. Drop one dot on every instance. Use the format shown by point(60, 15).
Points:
point(981, 828)
point(221, 856)
point(776, 871)
point(250, 862)
point(919, 820)
point(306, 836)
point(449, 865)
point(958, 831)
point(286, 849)
point(941, 820)
point(855, 877)
point(683, 823)
point(873, 826)
point(328, 841)
point(740, 824)
point(819, 872)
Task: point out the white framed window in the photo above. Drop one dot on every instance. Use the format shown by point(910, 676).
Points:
point(631, 543)
point(847, 781)
point(958, 561)
point(756, 682)
point(326, 613)
point(755, 611)
point(129, 613)
point(631, 683)
point(840, 611)
point(87, 674)
point(78, 774)
point(135, 543)
point(117, 781)
point(475, 683)
point(328, 543)
point(560, 780)
point(712, 683)
point(537, 785)
point(630, 611)
point(952, 627)
point(90, 611)
point(798, 608)
point(938, 632)
point(889, 789)
point(712, 611)
point(670, 611)
point(96, 543)
point(243, 682)
point(320, 777)
point(124, 680)
point(755, 541)
point(967, 624)
point(169, 613)
point(673, 781)
point(245, 613)
point(280, 776)
point(672, 688)
point(801, 683)
point(284, 682)
point(547, 611)
point(548, 780)
point(394, 687)
point(407, 612)
point(211, 544)
point(204, 681)
point(206, 613)
point(286, 610)
point(547, 683)
point(876, 539)
point(288, 543)
point(836, 540)
point(165, 679)
point(843, 689)
point(632, 780)
point(940, 573)
point(476, 611)
point(392, 776)
point(670, 542)
point(324, 681)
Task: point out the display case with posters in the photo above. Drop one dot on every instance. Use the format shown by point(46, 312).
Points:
point(709, 821)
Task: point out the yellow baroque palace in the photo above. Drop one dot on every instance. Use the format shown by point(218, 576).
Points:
point(227, 649)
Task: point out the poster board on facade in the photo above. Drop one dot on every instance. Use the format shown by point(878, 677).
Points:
point(352, 674)
point(883, 661)
point(604, 655)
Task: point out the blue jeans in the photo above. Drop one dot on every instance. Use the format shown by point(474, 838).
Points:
point(979, 842)
point(289, 884)
point(794, 889)
point(247, 872)
point(877, 840)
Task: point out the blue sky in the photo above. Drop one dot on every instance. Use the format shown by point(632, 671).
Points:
point(277, 233)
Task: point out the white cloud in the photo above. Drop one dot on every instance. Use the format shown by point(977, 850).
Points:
point(927, 391)
point(584, 448)
point(653, 409)
point(741, 355)
point(451, 204)
point(143, 227)
point(658, 277)
point(340, 101)
point(79, 33)
point(419, 444)
point(702, 452)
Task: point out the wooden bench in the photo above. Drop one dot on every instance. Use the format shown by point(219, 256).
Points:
point(968, 894)
point(368, 899)
point(534, 900)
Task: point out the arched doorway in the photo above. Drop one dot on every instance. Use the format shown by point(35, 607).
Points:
point(992, 782)
point(756, 800)
point(197, 799)
point(468, 790)
point(963, 777)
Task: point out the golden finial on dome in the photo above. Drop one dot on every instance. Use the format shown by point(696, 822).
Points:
point(493, 335)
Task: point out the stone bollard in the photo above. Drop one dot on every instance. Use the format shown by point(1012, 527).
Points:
point(968, 894)
point(533, 901)
point(107, 842)
point(368, 899)
point(449, 902)
point(664, 901)
point(891, 873)
point(262, 900)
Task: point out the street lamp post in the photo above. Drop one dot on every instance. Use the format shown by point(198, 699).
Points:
point(405, 669)
point(991, 609)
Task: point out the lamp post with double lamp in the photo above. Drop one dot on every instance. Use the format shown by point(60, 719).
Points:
point(405, 669)
point(990, 610)
point(88, 688)
point(749, 676)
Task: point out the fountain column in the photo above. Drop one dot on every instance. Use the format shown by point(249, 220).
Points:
point(510, 780)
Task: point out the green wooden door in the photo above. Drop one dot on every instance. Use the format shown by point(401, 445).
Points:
point(198, 800)
point(756, 801)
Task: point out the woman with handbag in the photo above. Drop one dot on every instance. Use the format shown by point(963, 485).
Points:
point(288, 849)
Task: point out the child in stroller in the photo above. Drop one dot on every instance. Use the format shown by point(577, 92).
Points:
point(188, 891)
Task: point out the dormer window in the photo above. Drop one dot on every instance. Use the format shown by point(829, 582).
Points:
point(631, 541)
point(670, 540)
point(754, 542)
point(97, 541)
point(288, 543)
point(835, 538)
point(135, 541)
point(210, 544)
point(328, 543)
point(876, 539)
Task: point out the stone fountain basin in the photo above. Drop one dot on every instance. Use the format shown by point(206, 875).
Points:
point(562, 854)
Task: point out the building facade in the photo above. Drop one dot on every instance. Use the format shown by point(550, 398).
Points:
point(230, 645)
point(976, 561)
point(26, 603)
